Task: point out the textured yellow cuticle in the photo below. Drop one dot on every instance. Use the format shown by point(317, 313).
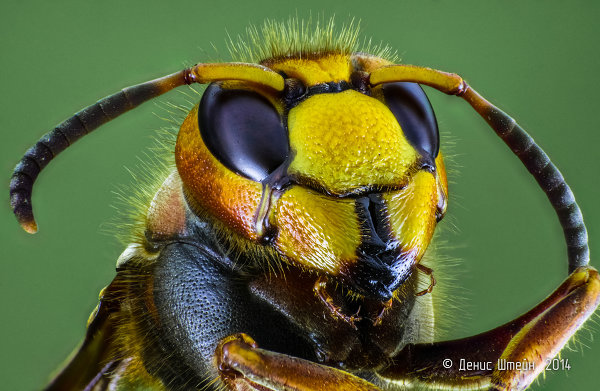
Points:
point(412, 213)
point(347, 140)
point(316, 231)
point(334, 67)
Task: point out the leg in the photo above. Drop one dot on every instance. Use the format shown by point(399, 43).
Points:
point(432, 281)
point(336, 312)
point(242, 366)
point(530, 340)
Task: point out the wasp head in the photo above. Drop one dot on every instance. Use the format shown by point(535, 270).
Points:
point(335, 176)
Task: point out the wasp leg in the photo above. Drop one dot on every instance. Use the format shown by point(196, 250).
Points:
point(509, 357)
point(432, 281)
point(243, 366)
point(384, 307)
point(321, 293)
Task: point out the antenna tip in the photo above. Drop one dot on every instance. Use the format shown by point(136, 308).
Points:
point(30, 226)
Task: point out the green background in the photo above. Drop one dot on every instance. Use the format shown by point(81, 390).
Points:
point(535, 59)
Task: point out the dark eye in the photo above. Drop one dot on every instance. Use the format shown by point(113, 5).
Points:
point(243, 131)
point(414, 113)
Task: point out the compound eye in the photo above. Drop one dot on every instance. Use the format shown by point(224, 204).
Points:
point(410, 106)
point(243, 131)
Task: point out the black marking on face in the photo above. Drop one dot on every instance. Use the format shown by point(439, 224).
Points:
point(380, 267)
point(296, 94)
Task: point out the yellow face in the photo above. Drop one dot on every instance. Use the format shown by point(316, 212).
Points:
point(336, 178)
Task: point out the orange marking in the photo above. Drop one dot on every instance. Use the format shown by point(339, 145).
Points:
point(216, 191)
